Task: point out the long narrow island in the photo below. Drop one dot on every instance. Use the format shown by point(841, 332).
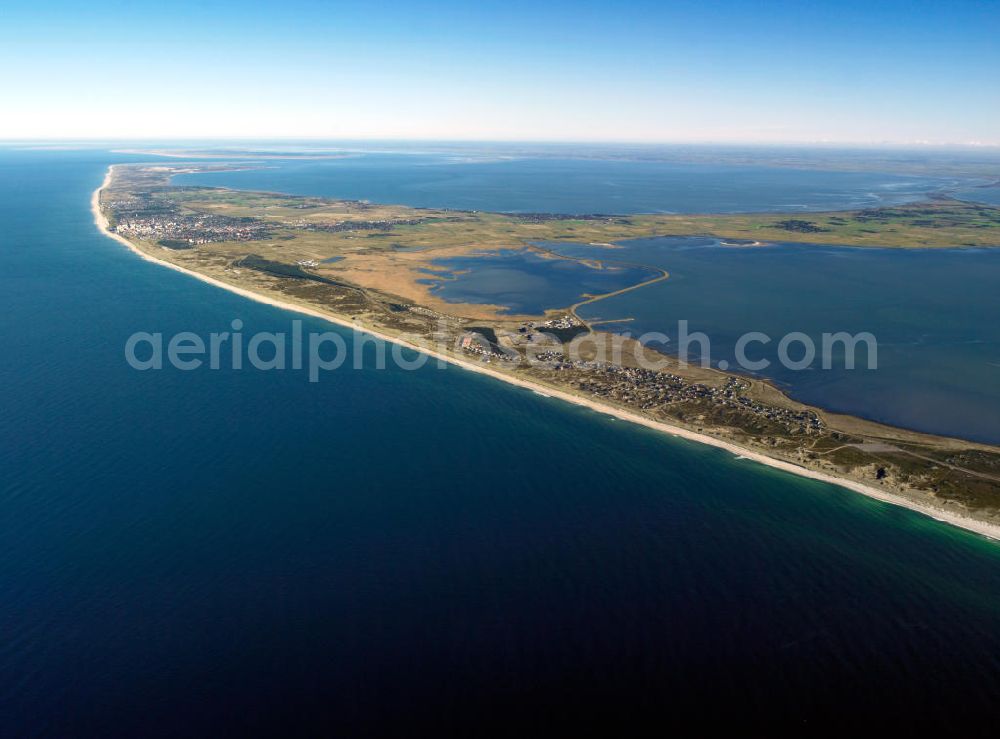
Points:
point(374, 268)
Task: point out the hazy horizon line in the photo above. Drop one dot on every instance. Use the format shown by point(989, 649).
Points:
point(826, 143)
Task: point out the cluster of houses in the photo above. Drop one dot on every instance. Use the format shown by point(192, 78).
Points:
point(191, 229)
point(144, 216)
point(556, 323)
point(474, 343)
point(648, 389)
point(528, 329)
point(563, 322)
point(806, 420)
point(528, 334)
point(643, 388)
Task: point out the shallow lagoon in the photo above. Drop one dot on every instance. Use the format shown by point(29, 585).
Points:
point(524, 281)
point(190, 551)
point(553, 185)
point(938, 351)
point(988, 195)
point(933, 313)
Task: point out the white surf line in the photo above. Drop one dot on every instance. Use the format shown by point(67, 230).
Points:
point(984, 528)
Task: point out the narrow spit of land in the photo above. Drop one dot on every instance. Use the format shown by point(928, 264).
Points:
point(596, 298)
point(364, 265)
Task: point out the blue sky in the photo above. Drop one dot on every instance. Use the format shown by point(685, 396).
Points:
point(863, 72)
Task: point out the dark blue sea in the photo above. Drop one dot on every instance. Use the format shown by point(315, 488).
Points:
point(932, 313)
point(398, 552)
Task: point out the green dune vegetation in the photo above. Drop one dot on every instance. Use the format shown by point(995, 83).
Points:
point(367, 264)
point(938, 223)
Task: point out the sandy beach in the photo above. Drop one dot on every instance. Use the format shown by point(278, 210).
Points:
point(984, 528)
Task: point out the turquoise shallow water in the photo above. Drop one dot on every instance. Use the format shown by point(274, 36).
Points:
point(220, 551)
